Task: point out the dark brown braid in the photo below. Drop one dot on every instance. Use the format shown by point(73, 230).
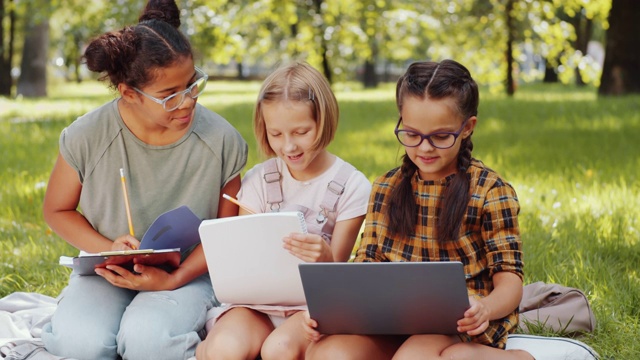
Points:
point(456, 196)
point(401, 200)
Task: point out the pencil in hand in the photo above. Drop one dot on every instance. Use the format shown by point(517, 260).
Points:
point(126, 204)
point(233, 200)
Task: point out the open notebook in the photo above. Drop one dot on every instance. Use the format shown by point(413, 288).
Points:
point(385, 297)
point(247, 262)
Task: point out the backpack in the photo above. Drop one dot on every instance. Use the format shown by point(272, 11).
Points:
point(560, 308)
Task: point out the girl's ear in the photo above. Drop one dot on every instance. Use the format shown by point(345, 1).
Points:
point(468, 128)
point(128, 93)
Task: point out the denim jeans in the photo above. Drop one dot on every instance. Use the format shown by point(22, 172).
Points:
point(96, 320)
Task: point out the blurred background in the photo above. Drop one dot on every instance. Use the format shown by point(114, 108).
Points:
point(505, 43)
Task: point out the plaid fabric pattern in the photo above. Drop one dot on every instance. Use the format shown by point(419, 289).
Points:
point(489, 239)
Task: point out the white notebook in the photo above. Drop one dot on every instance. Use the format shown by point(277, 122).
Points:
point(247, 262)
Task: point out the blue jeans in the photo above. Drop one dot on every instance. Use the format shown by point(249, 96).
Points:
point(96, 320)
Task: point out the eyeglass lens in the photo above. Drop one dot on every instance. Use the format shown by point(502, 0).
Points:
point(193, 91)
point(410, 138)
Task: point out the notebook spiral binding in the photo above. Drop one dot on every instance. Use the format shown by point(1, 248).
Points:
point(303, 222)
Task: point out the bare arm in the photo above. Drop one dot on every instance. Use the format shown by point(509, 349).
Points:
point(502, 301)
point(344, 238)
point(60, 210)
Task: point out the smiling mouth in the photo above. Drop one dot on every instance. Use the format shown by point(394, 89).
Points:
point(294, 157)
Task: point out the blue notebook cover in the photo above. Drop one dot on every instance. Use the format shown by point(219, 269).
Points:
point(177, 228)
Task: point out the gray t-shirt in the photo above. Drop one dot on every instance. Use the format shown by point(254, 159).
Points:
point(190, 172)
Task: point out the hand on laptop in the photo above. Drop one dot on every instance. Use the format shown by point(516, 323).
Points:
point(476, 318)
point(309, 326)
point(308, 247)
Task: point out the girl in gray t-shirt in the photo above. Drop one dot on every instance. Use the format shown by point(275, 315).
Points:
point(174, 152)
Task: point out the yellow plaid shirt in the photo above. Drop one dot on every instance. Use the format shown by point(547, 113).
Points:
point(489, 239)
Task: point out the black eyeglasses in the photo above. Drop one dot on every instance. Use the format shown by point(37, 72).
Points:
point(439, 140)
point(174, 101)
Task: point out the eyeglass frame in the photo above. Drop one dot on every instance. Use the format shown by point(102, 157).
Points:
point(184, 92)
point(428, 136)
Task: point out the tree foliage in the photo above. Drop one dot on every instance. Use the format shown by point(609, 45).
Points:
point(346, 37)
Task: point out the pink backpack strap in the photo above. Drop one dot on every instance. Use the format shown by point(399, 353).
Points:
point(272, 179)
point(335, 189)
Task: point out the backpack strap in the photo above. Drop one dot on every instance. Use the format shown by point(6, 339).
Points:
point(272, 179)
point(335, 189)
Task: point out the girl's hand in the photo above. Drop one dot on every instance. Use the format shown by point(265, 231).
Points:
point(125, 242)
point(145, 278)
point(308, 247)
point(476, 318)
point(309, 327)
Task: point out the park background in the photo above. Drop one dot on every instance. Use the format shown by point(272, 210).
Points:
point(559, 115)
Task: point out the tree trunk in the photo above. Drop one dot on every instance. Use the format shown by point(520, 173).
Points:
point(326, 69)
point(240, 69)
point(621, 70)
point(550, 74)
point(6, 52)
point(584, 28)
point(369, 77)
point(511, 89)
point(33, 68)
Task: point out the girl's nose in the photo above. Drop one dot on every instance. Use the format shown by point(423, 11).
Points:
point(426, 146)
point(187, 103)
point(289, 145)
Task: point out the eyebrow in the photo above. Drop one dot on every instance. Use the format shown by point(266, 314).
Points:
point(173, 90)
point(438, 130)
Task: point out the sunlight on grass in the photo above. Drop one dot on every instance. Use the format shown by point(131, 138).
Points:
point(572, 157)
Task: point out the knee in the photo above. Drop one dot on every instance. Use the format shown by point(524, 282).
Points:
point(322, 350)
point(280, 347)
point(460, 351)
point(221, 346)
point(80, 345)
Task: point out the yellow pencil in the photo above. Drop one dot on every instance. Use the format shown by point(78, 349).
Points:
point(250, 211)
point(126, 202)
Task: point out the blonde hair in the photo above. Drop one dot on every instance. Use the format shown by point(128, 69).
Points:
point(300, 82)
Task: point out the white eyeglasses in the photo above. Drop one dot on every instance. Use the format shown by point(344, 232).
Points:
point(174, 101)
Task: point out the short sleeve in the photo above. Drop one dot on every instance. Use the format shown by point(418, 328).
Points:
point(501, 231)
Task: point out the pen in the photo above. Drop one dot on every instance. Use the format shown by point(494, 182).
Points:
point(126, 203)
point(250, 211)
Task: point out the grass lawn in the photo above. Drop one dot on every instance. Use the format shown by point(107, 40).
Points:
point(574, 160)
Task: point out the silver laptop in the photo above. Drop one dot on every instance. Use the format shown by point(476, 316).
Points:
point(385, 298)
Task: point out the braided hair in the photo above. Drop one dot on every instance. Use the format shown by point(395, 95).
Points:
point(437, 81)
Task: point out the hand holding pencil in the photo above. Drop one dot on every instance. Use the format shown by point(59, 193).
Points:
point(126, 204)
point(241, 205)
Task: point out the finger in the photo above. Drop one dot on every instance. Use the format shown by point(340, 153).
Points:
point(133, 242)
point(302, 245)
point(112, 278)
point(479, 330)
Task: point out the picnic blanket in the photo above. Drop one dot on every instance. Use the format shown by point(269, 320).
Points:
point(22, 316)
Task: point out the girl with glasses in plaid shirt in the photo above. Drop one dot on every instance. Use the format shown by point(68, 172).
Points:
point(441, 205)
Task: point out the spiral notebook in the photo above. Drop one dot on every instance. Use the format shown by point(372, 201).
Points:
point(247, 262)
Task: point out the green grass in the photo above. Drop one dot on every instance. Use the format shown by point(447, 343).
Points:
point(572, 157)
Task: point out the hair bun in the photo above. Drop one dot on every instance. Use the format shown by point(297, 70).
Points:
point(163, 10)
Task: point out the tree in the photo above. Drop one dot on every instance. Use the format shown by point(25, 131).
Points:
point(6, 46)
point(621, 71)
point(33, 67)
